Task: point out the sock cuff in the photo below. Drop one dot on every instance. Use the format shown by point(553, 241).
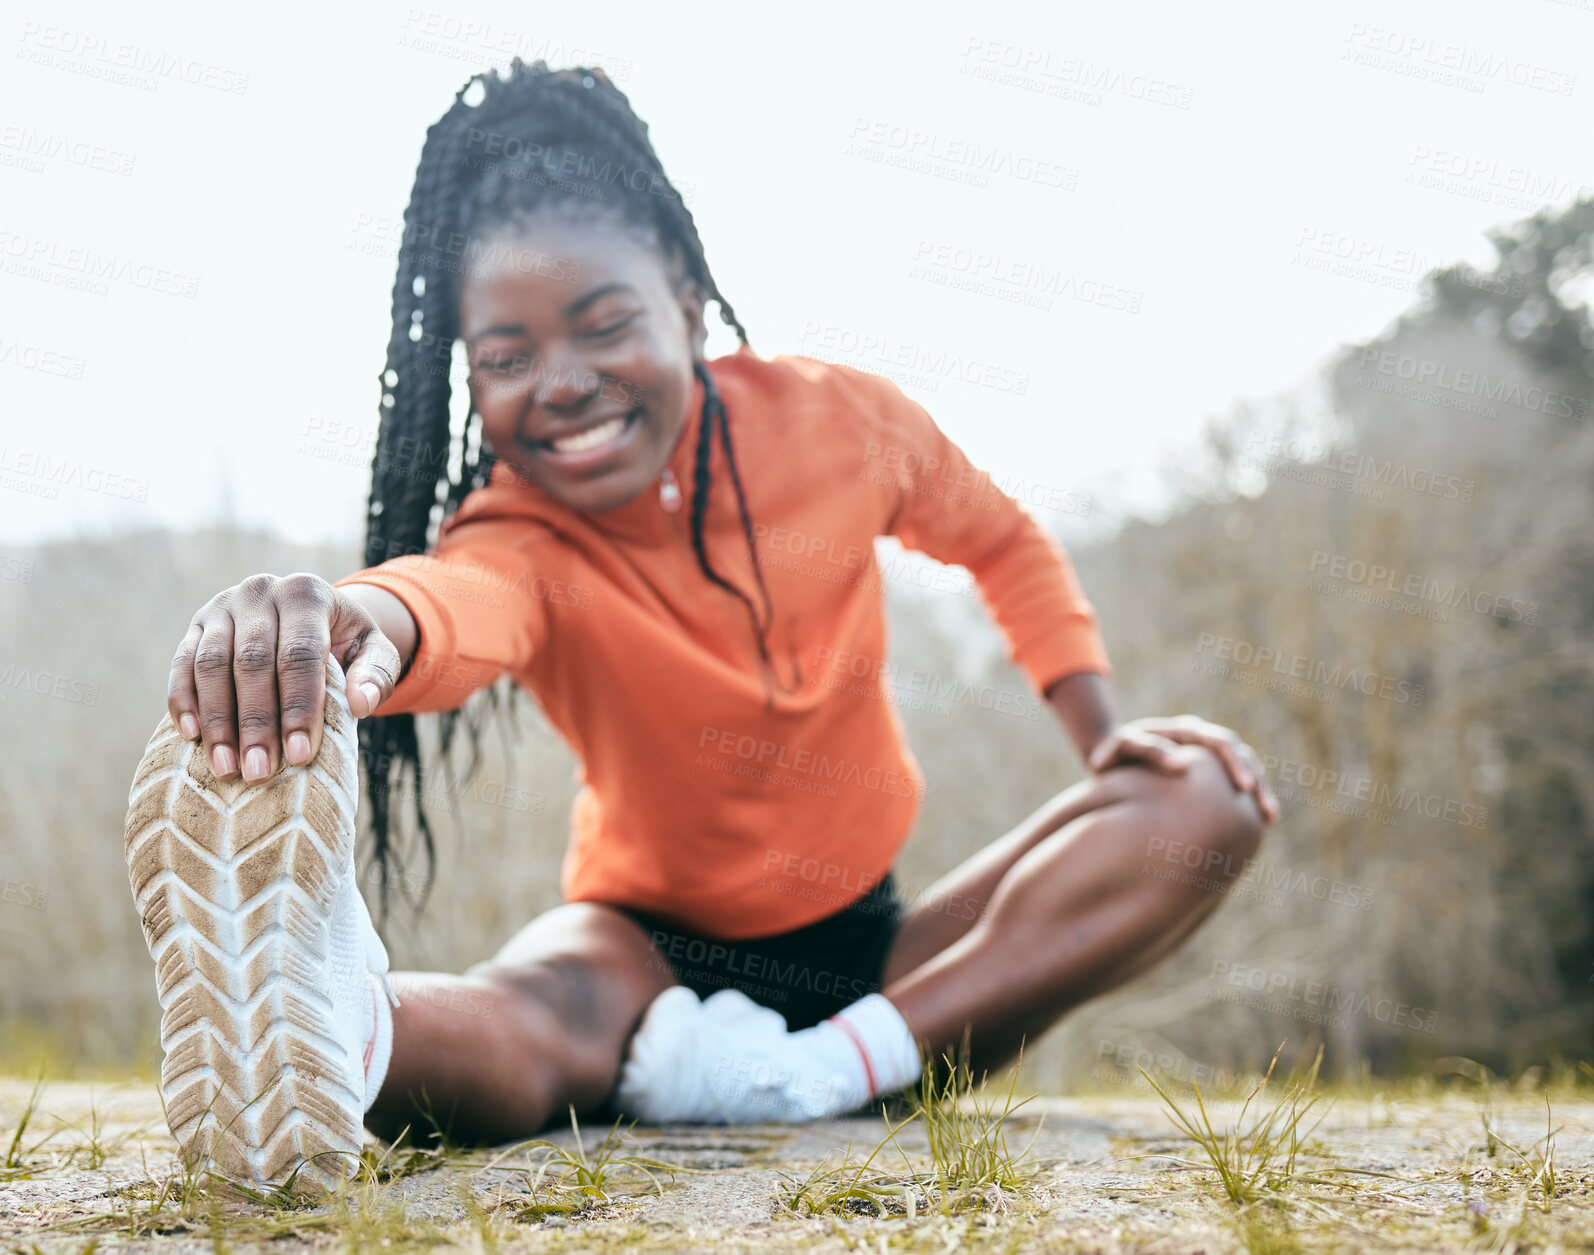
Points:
point(871, 1082)
point(877, 1029)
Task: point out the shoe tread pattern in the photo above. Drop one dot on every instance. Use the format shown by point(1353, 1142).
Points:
point(234, 883)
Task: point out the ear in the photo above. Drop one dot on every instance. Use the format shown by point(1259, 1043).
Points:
point(694, 304)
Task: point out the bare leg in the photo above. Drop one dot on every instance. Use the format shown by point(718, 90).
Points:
point(1063, 909)
point(499, 1051)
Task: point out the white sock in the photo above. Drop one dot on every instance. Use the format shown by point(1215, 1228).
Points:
point(378, 1046)
point(727, 1061)
point(867, 1047)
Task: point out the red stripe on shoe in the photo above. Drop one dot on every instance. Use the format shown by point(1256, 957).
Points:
point(868, 1067)
point(376, 1027)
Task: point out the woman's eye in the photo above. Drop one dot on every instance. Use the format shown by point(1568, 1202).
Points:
point(612, 327)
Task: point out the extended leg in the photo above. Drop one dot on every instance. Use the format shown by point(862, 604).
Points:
point(499, 1051)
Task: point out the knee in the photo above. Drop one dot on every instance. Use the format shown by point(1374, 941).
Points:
point(572, 1014)
point(528, 1049)
point(1220, 818)
point(531, 991)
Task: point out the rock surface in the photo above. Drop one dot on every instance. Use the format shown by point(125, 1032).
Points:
point(1109, 1173)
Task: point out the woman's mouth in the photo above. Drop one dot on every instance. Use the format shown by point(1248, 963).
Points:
point(592, 445)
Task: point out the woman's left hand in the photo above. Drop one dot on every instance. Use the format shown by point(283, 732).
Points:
point(1154, 743)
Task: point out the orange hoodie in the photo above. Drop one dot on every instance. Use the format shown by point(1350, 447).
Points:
point(713, 797)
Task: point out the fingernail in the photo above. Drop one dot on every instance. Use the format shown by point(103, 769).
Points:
point(256, 765)
point(222, 761)
point(190, 727)
point(373, 695)
point(298, 747)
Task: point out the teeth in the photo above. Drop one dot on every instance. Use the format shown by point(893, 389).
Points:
point(591, 438)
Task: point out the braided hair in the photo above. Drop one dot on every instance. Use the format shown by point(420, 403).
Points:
point(513, 143)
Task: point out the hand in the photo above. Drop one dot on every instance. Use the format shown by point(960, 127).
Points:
point(250, 675)
point(1155, 743)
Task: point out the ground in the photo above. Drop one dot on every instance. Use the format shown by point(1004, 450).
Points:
point(1411, 1171)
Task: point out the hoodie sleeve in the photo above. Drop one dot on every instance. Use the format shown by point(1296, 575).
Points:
point(476, 606)
point(944, 506)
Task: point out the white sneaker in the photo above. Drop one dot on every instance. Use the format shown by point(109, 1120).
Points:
point(659, 1081)
point(266, 963)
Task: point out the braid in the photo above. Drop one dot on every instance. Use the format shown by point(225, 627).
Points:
point(714, 414)
point(585, 126)
point(410, 460)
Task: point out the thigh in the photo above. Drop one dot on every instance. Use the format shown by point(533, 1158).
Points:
point(542, 1024)
point(953, 904)
point(592, 964)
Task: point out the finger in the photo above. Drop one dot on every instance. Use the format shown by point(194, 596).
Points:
point(1271, 810)
point(1192, 730)
point(303, 639)
point(182, 698)
point(1157, 751)
point(254, 668)
point(1184, 730)
point(1264, 795)
point(372, 670)
point(1239, 774)
point(1252, 759)
point(1106, 752)
point(1197, 731)
point(218, 711)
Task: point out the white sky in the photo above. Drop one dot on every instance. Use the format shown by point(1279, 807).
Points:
point(267, 197)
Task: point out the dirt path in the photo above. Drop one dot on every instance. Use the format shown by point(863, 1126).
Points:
point(1387, 1174)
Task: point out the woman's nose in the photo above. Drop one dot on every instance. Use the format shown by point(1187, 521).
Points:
point(561, 380)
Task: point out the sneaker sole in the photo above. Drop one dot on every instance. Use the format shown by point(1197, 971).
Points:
point(234, 884)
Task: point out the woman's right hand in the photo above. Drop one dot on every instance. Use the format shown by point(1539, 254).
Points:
point(250, 675)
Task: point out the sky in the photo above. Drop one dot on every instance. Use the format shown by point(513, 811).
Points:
point(1073, 232)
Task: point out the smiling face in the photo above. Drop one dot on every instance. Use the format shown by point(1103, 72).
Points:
point(581, 340)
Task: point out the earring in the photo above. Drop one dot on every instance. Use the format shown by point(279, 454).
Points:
point(669, 491)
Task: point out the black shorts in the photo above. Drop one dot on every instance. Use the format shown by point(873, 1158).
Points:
point(807, 974)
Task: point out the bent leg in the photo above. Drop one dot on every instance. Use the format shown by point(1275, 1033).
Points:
point(497, 1052)
point(1062, 909)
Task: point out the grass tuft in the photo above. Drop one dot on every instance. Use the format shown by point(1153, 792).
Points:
point(971, 1166)
point(16, 1163)
point(852, 1189)
point(1535, 1166)
point(569, 1182)
point(967, 1134)
point(442, 1134)
point(1537, 1163)
point(1252, 1163)
point(97, 1148)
